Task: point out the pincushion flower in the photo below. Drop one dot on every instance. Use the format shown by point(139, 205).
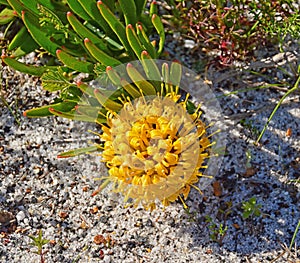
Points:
point(154, 149)
point(153, 145)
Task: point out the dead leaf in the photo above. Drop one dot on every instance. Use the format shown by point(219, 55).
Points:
point(217, 188)
point(100, 239)
point(250, 171)
point(236, 226)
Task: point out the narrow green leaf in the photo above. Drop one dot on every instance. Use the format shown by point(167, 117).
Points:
point(156, 21)
point(99, 55)
point(134, 41)
point(77, 8)
point(153, 8)
point(6, 16)
point(131, 89)
point(106, 102)
point(44, 110)
point(74, 63)
point(25, 68)
point(175, 73)
point(166, 78)
point(71, 116)
point(40, 36)
point(18, 38)
point(144, 86)
point(90, 6)
point(84, 32)
point(165, 72)
point(17, 6)
point(25, 44)
point(150, 67)
point(113, 76)
point(4, 2)
point(145, 41)
point(116, 26)
point(140, 6)
point(86, 89)
point(79, 151)
point(129, 11)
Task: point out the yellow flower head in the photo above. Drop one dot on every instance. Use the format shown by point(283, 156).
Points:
point(154, 149)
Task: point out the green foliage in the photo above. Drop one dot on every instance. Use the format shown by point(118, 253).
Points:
point(217, 232)
point(39, 242)
point(234, 29)
point(251, 208)
point(85, 37)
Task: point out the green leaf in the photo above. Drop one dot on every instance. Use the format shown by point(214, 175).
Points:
point(4, 2)
point(20, 37)
point(146, 42)
point(26, 44)
point(76, 152)
point(116, 26)
point(17, 6)
point(90, 6)
point(150, 67)
point(175, 74)
point(106, 102)
point(6, 16)
point(113, 76)
point(54, 80)
point(28, 69)
point(82, 31)
point(74, 63)
point(99, 55)
point(144, 86)
point(72, 115)
point(134, 41)
point(156, 21)
point(40, 36)
point(44, 110)
point(129, 11)
point(77, 8)
point(140, 6)
point(153, 9)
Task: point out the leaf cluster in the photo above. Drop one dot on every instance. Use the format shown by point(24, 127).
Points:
point(83, 37)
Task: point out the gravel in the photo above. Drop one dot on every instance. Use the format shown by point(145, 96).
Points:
point(39, 191)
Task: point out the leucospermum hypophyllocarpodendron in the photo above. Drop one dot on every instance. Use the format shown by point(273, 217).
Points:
point(154, 147)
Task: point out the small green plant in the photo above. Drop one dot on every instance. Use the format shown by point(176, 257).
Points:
point(251, 208)
point(39, 242)
point(217, 232)
point(232, 30)
point(294, 88)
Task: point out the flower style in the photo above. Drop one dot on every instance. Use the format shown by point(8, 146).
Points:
point(154, 149)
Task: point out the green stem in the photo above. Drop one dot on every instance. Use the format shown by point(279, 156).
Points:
point(294, 236)
point(295, 87)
